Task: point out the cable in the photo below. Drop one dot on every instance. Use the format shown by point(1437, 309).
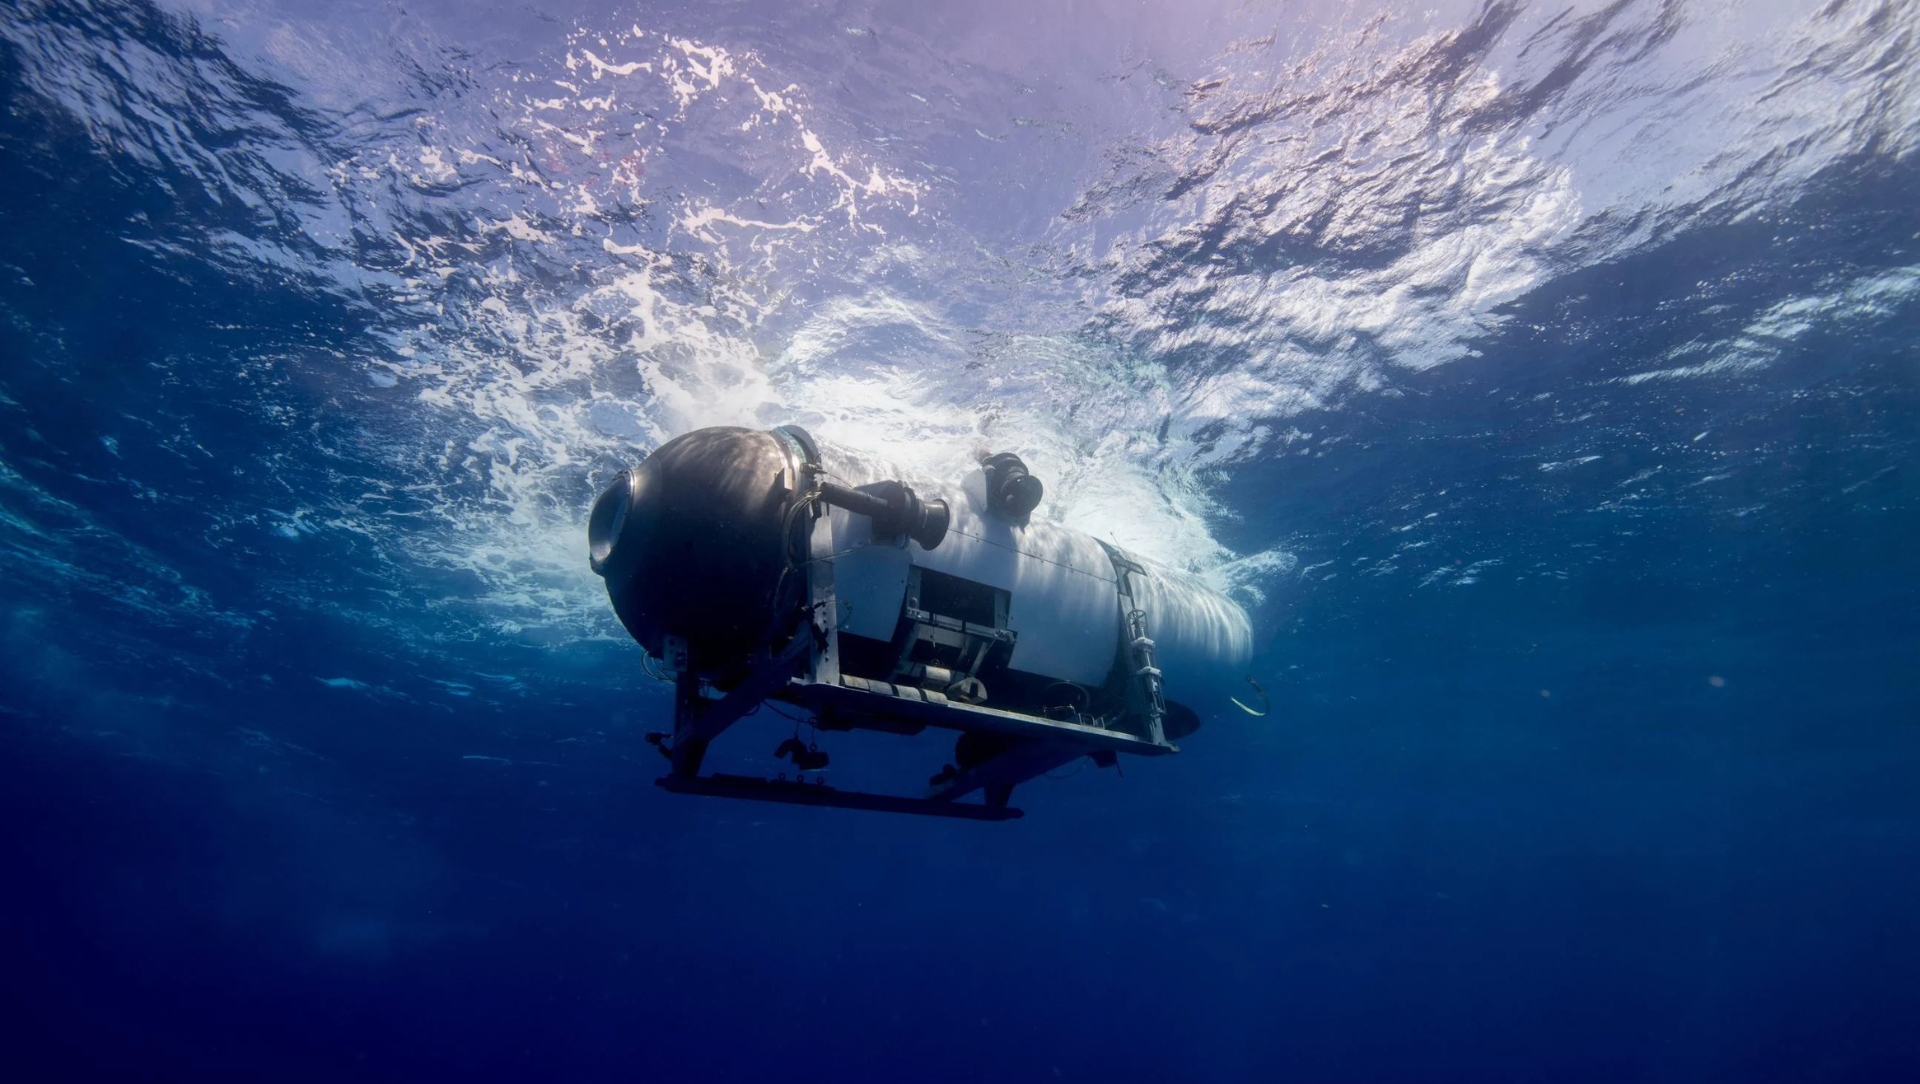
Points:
point(1267, 705)
point(786, 523)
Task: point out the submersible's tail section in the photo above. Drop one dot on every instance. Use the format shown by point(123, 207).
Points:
point(757, 566)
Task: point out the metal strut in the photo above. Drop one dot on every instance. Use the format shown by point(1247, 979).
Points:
point(697, 719)
point(1140, 662)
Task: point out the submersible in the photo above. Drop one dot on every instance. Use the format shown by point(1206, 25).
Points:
point(756, 566)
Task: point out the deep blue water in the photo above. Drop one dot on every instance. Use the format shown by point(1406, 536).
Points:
point(1545, 380)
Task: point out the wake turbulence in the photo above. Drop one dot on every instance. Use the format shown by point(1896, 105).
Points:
point(757, 566)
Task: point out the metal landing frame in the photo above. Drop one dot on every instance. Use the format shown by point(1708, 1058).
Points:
point(856, 703)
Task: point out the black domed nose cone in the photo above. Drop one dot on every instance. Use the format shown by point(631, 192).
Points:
point(689, 543)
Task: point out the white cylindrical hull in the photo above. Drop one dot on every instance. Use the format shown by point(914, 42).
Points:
point(1064, 593)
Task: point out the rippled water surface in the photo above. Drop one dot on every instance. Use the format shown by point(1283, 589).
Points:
point(1543, 378)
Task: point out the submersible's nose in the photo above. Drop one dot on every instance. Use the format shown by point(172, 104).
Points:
point(697, 540)
point(690, 543)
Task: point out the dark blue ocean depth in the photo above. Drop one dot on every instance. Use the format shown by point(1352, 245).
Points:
point(1545, 382)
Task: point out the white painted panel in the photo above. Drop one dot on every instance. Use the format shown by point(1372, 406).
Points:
point(872, 585)
point(870, 580)
point(1068, 623)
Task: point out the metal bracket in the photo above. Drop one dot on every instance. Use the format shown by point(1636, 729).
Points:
point(822, 599)
point(698, 720)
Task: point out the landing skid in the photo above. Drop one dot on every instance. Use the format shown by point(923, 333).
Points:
point(819, 794)
point(1028, 746)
